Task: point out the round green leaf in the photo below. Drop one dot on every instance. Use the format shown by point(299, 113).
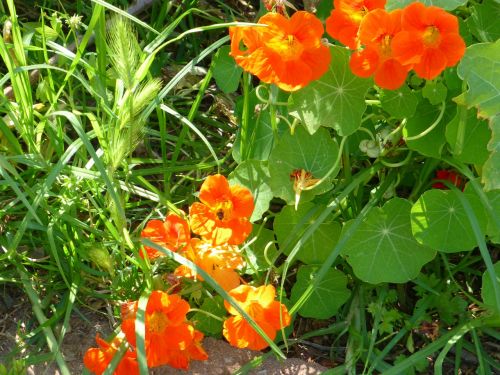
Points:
point(476, 137)
point(313, 153)
point(226, 72)
point(328, 295)
point(261, 245)
point(480, 69)
point(336, 100)
point(399, 103)
point(487, 290)
point(317, 248)
point(254, 175)
point(445, 4)
point(491, 169)
point(483, 22)
point(205, 323)
point(435, 92)
point(383, 248)
point(439, 220)
point(432, 143)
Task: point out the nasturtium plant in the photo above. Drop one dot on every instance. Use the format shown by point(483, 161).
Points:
point(300, 158)
point(400, 103)
point(479, 68)
point(468, 137)
point(445, 4)
point(483, 21)
point(226, 72)
point(491, 171)
point(207, 324)
point(488, 291)
point(328, 296)
point(261, 252)
point(382, 249)
point(254, 174)
point(336, 100)
point(431, 143)
point(434, 92)
point(439, 220)
point(290, 221)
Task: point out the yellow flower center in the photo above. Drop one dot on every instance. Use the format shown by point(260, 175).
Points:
point(385, 46)
point(224, 210)
point(158, 322)
point(287, 46)
point(431, 36)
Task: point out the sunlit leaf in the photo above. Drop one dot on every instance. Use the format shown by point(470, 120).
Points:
point(336, 100)
point(383, 248)
point(315, 154)
point(328, 295)
point(440, 221)
point(226, 72)
point(317, 247)
point(445, 4)
point(399, 103)
point(480, 68)
point(254, 174)
point(487, 290)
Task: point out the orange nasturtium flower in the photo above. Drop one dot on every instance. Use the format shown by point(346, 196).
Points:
point(220, 262)
point(259, 303)
point(97, 360)
point(429, 40)
point(223, 216)
point(344, 20)
point(173, 234)
point(169, 338)
point(288, 52)
point(376, 33)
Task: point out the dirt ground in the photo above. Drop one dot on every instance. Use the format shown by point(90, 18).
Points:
point(16, 317)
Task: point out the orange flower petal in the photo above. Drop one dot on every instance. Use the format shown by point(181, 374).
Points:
point(453, 46)
point(214, 189)
point(240, 334)
point(364, 63)
point(202, 219)
point(390, 74)
point(407, 48)
point(432, 64)
point(242, 200)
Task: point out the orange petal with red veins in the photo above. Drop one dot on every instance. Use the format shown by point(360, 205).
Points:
point(364, 63)
point(202, 220)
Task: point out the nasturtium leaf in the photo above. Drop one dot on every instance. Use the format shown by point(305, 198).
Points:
point(475, 138)
point(254, 175)
point(432, 143)
point(487, 290)
point(261, 250)
point(336, 100)
point(483, 22)
point(400, 103)
point(315, 154)
point(205, 323)
point(328, 296)
point(480, 68)
point(445, 4)
point(383, 249)
point(435, 92)
point(439, 220)
point(317, 247)
point(491, 169)
point(226, 72)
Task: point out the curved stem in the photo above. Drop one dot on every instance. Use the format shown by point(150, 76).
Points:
point(430, 128)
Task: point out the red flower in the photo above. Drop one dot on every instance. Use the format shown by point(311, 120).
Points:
point(343, 23)
point(376, 33)
point(450, 176)
point(97, 360)
point(173, 234)
point(259, 303)
point(288, 52)
point(429, 42)
point(223, 216)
